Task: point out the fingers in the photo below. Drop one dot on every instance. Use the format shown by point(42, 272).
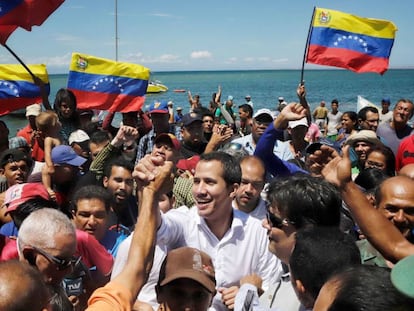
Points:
point(228, 296)
point(147, 168)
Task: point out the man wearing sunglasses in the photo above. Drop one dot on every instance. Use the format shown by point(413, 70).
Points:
point(295, 202)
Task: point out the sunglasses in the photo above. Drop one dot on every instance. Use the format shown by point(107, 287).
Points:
point(61, 264)
point(276, 221)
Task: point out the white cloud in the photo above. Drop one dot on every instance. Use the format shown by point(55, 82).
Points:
point(249, 59)
point(143, 59)
point(200, 55)
point(54, 61)
point(160, 15)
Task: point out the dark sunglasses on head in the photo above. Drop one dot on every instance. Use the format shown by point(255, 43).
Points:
point(61, 264)
point(277, 222)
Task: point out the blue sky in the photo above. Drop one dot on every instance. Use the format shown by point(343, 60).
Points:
point(196, 35)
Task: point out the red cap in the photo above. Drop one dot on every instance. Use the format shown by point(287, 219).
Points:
point(175, 143)
point(21, 193)
point(188, 164)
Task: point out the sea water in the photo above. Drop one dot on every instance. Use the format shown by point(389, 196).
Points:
point(265, 86)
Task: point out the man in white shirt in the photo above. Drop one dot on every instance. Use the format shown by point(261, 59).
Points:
point(236, 242)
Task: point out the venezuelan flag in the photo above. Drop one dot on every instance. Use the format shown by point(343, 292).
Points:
point(104, 84)
point(17, 89)
point(25, 14)
point(356, 43)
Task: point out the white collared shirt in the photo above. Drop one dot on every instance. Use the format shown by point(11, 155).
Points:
point(243, 250)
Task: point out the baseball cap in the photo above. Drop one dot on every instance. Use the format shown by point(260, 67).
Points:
point(247, 96)
point(33, 110)
point(189, 263)
point(281, 98)
point(402, 276)
point(18, 142)
point(14, 155)
point(263, 114)
point(363, 135)
point(78, 136)
point(188, 164)
point(64, 154)
point(170, 138)
point(386, 100)
point(21, 193)
point(230, 97)
point(179, 108)
point(190, 118)
point(85, 112)
point(303, 121)
point(159, 107)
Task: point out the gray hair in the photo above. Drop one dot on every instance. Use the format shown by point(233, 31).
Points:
point(40, 228)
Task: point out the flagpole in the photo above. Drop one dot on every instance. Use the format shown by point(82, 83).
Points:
point(19, 60)
point(307, 46)
point(116, 30)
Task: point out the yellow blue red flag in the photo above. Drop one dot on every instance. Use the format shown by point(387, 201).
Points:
point(25, 14)
point(104, 84)
point(17, 89)
point(344, 40)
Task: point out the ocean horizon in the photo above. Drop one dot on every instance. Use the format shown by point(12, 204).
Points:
point(265, 86)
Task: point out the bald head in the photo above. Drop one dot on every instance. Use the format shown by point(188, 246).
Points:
point(22, 287)
point(395, 200)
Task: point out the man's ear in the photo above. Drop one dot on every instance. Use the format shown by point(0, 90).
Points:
point(105, 181)
point(233, 190)
point(299, 287)
point(28, 255)
point(1, 171)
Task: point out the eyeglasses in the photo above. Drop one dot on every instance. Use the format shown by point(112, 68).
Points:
point(61, 264)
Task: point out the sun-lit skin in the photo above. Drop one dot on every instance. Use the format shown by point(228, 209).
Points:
point(252, 183)
point(212, 195)
point(376, 159)
point(120, 184)
point(326, 296)
point(402, 113)
point(361, 149)
point(91, 216)
point(15, 172)
point(371, 122)
point(281, 241)
point(397, 203)
point(65, 249)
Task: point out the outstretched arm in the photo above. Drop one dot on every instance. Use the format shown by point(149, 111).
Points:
point(141, 253)
point(377, 228)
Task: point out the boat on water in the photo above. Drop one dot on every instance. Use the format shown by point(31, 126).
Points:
point(156, 87)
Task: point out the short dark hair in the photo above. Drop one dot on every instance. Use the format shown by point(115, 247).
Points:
point(92, 192)
point(247, 108)
point(389, 157)
point(306, 200)
point(362, 114)
point(369, 178)
point(231, 168)
point(26, 208)
point(367, 288)
point(99, 137)
point(119, 161)
point(319, 252)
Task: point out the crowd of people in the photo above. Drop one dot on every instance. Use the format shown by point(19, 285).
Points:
point(286, 209)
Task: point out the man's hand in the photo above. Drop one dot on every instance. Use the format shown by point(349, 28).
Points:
point(338, 170)
point(253, 279)
point(301, 91)
point(292, 112)
point(228, 296)
point(125, 134)
point(317, 160)
point(147, 169)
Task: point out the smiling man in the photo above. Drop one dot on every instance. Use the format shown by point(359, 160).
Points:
point(236, 242)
